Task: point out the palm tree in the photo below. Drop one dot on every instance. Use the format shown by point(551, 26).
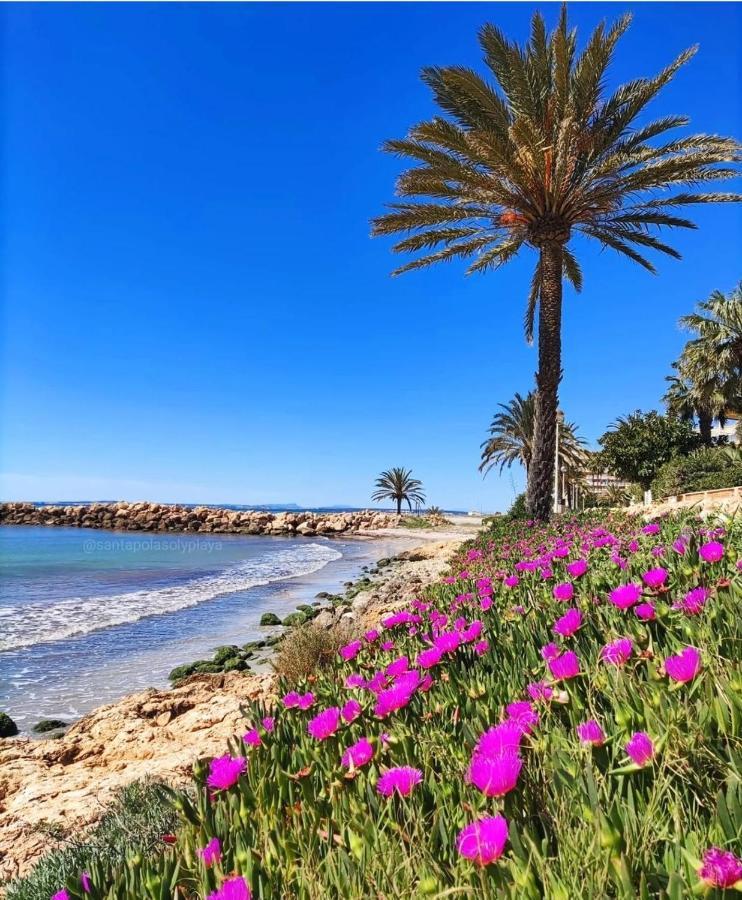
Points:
point(711, 363)
point(687, 400)
point(512, 434)
point(398, 484)
point(537, 160)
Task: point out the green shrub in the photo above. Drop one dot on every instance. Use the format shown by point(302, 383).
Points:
point(8, 728)
point(305, 650)
point(518, 509)
point(136, 821)
point(704, 470)
point(48, 725)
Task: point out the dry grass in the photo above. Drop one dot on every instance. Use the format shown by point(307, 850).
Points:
point(307, 648)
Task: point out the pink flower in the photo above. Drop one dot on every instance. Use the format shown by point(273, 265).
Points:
point(640, 748)
point(324, 724)
point(252, 737)
point(481, 647)
point(711, 552)
point(355, 680)
point(540, 690)
point(306, 700)
point(86, 883)
point(523, 714)
point(401, 779)
point(569, 623)
point(351, 650)
point(617, 652)
point(61, 895)
point(211, 853)
point(564, 591)
point(565, 666)
point(225, 771)
point(721, 868)
point(625, 595)
point(591, 733)
point(652, 528)
point(358, 754)
point(426, 659)
point(402, 664)
point(371, 636)
point(501, 739)
point(472, 633)
point(684, 666)
point(351, 711)
point(645, 612)
point(484, 840)
point(549, 651)
point(577, 568)
point(232, 889)
point(679, 546)
point(655, 578)
point(269, 723)
point(693, 602)
point(290, 700)
point(511, 581)
point(495, 775)
point(448, 641)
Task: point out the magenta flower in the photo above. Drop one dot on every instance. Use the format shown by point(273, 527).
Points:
point(693, 602)
point(426, 659)
point(351, 650)
point(371, 636)
point(232, 889)
point(225, 771)
point(306, 700)
point(549, 651)
point(645, 612)
point(721, 868)
point(655, 578)
point(448, 641)
point(269, 723)
point(501, 739)
point(358, 754)
point(351, 711)
point(569, 623)
point(398, 666)
point(684, 666)
point(211, 853)
point(252, 737)
point(564, 591)
point(511, 581)
point(402, 779)
point(640, 748)
point(484, 840)
point(679, 546)
point(472, 633)
point(290, 700)
point(495, 775)
point(324, 724)
point(86, 883)
point(523, 714)
point(540, 690)
point(652, 528)
point(591, 733)
point(617, 652)
point(577, 568)
point(565, 666)
point(61, 895)
point(711, 552)
point(481, 647)
point(625, 595)
point(355, 680)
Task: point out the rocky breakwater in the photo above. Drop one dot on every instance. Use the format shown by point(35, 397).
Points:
point(198, 519)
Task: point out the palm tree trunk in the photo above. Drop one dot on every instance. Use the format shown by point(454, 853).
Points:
point(704, 426)
point(541, 474)
point(399, 506)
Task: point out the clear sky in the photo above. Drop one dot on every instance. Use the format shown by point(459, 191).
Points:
point(193, 308)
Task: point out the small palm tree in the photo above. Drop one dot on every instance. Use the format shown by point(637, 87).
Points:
point(398, 485)
point(687, 399)
point(512, 434)
point(535, 160)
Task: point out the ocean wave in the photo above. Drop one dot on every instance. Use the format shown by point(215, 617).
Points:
point(27, 625)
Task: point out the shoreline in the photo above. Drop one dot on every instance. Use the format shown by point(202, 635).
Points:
point(68, 782)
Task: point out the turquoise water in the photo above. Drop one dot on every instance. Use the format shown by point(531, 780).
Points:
point(87, 616)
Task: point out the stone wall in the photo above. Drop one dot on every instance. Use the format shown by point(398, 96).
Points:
point(201, 519)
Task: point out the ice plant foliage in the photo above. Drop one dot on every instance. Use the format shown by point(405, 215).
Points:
point(493, 692)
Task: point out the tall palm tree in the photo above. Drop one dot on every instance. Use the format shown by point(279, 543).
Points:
point(398, 484)
point(712, 361)
point(512, 433)
point(687, 400)
point(532, 162)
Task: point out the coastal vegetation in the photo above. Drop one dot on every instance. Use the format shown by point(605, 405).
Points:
point(534, 159)
point(398, 485)
point(558, 717)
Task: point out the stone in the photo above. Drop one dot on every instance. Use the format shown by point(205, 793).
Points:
point(45, 725)
point(269, 618)
point(8, 728)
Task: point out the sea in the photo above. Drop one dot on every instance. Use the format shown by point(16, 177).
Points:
point(88, 616)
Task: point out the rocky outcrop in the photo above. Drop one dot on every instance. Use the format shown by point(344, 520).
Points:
point(163, 517)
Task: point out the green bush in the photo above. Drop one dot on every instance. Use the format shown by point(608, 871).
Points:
point(704, 470)
point(518, 509)
point(48, 725)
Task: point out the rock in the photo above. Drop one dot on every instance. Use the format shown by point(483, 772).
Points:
point(222, 654)
point(8, 728)
point(269, 618)
point(294, 619)
point(324, 619)
point(180, 672)
point(48, 725)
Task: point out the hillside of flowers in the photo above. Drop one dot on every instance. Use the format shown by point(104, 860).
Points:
point(559, 717)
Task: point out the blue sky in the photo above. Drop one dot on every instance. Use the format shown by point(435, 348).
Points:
point(193, 308)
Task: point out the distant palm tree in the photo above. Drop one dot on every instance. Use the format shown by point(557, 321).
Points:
point(711, 363)
point(688, 400)
point(398, 485)
point(512, 434)
point(533, 161)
